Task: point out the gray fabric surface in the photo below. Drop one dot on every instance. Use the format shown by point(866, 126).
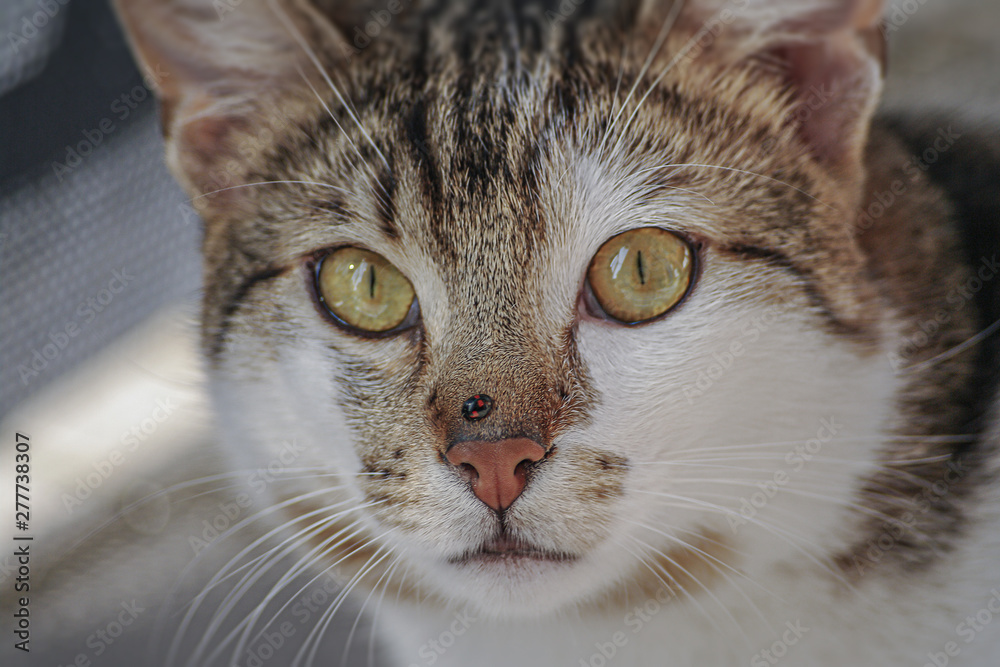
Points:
point(31, 29)
point(63, 242)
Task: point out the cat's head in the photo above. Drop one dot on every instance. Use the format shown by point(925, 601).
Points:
point(570, 297)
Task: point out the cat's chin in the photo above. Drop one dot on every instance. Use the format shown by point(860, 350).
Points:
point(513, 586)
point(509, 579)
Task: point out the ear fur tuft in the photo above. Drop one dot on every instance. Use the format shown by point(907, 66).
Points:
point(224, 72)
point(831, 52)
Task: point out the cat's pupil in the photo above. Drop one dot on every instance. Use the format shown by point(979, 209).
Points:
point(642, 271)
point(371, 283)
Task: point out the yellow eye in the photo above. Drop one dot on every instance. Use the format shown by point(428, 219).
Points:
point(641, 274)
point(364, 290)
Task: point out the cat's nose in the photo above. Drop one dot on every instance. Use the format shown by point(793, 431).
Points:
point(497, 470)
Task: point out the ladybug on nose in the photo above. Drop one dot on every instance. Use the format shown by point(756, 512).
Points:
point(497, 470)
point(477, 407)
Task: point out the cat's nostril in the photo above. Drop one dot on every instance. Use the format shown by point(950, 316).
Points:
point(497, 471)
point(468, 472)
point(477, 407)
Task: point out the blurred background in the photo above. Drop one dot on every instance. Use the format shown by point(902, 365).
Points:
point(98, 344)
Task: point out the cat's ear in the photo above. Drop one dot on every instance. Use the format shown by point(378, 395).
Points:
point(230, 74)
point(832, 53)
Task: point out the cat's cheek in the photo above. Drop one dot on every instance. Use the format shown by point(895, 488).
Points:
point(279, 411)
point(797, 398)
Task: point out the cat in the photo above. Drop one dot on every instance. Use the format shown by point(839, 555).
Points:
point(616, 333)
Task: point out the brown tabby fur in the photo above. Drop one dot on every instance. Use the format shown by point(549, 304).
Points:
point(473, 131)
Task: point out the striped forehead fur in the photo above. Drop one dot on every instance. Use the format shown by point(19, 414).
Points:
point(471, 142)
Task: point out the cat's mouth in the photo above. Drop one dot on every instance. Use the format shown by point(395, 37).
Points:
point(507, 549)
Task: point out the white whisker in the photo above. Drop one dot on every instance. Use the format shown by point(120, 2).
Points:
point(279, 182)
point(319, 629)
point(788, 538)
point(364, 605)
point(719, 566)
point(304, 45)
point(975, 340)
point(665, 29)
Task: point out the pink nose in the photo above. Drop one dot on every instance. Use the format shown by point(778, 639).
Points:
point(497, 474)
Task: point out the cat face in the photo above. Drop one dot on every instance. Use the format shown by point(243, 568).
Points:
point(486, 170)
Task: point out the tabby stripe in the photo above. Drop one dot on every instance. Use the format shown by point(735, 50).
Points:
point(241, 294)
point(386, 195)
point(416, 132)
point(806, 282)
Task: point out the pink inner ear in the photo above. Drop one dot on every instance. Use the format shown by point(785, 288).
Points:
point(829, 52)
point(206, 134)
point(836, 85)
point(204, 142)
